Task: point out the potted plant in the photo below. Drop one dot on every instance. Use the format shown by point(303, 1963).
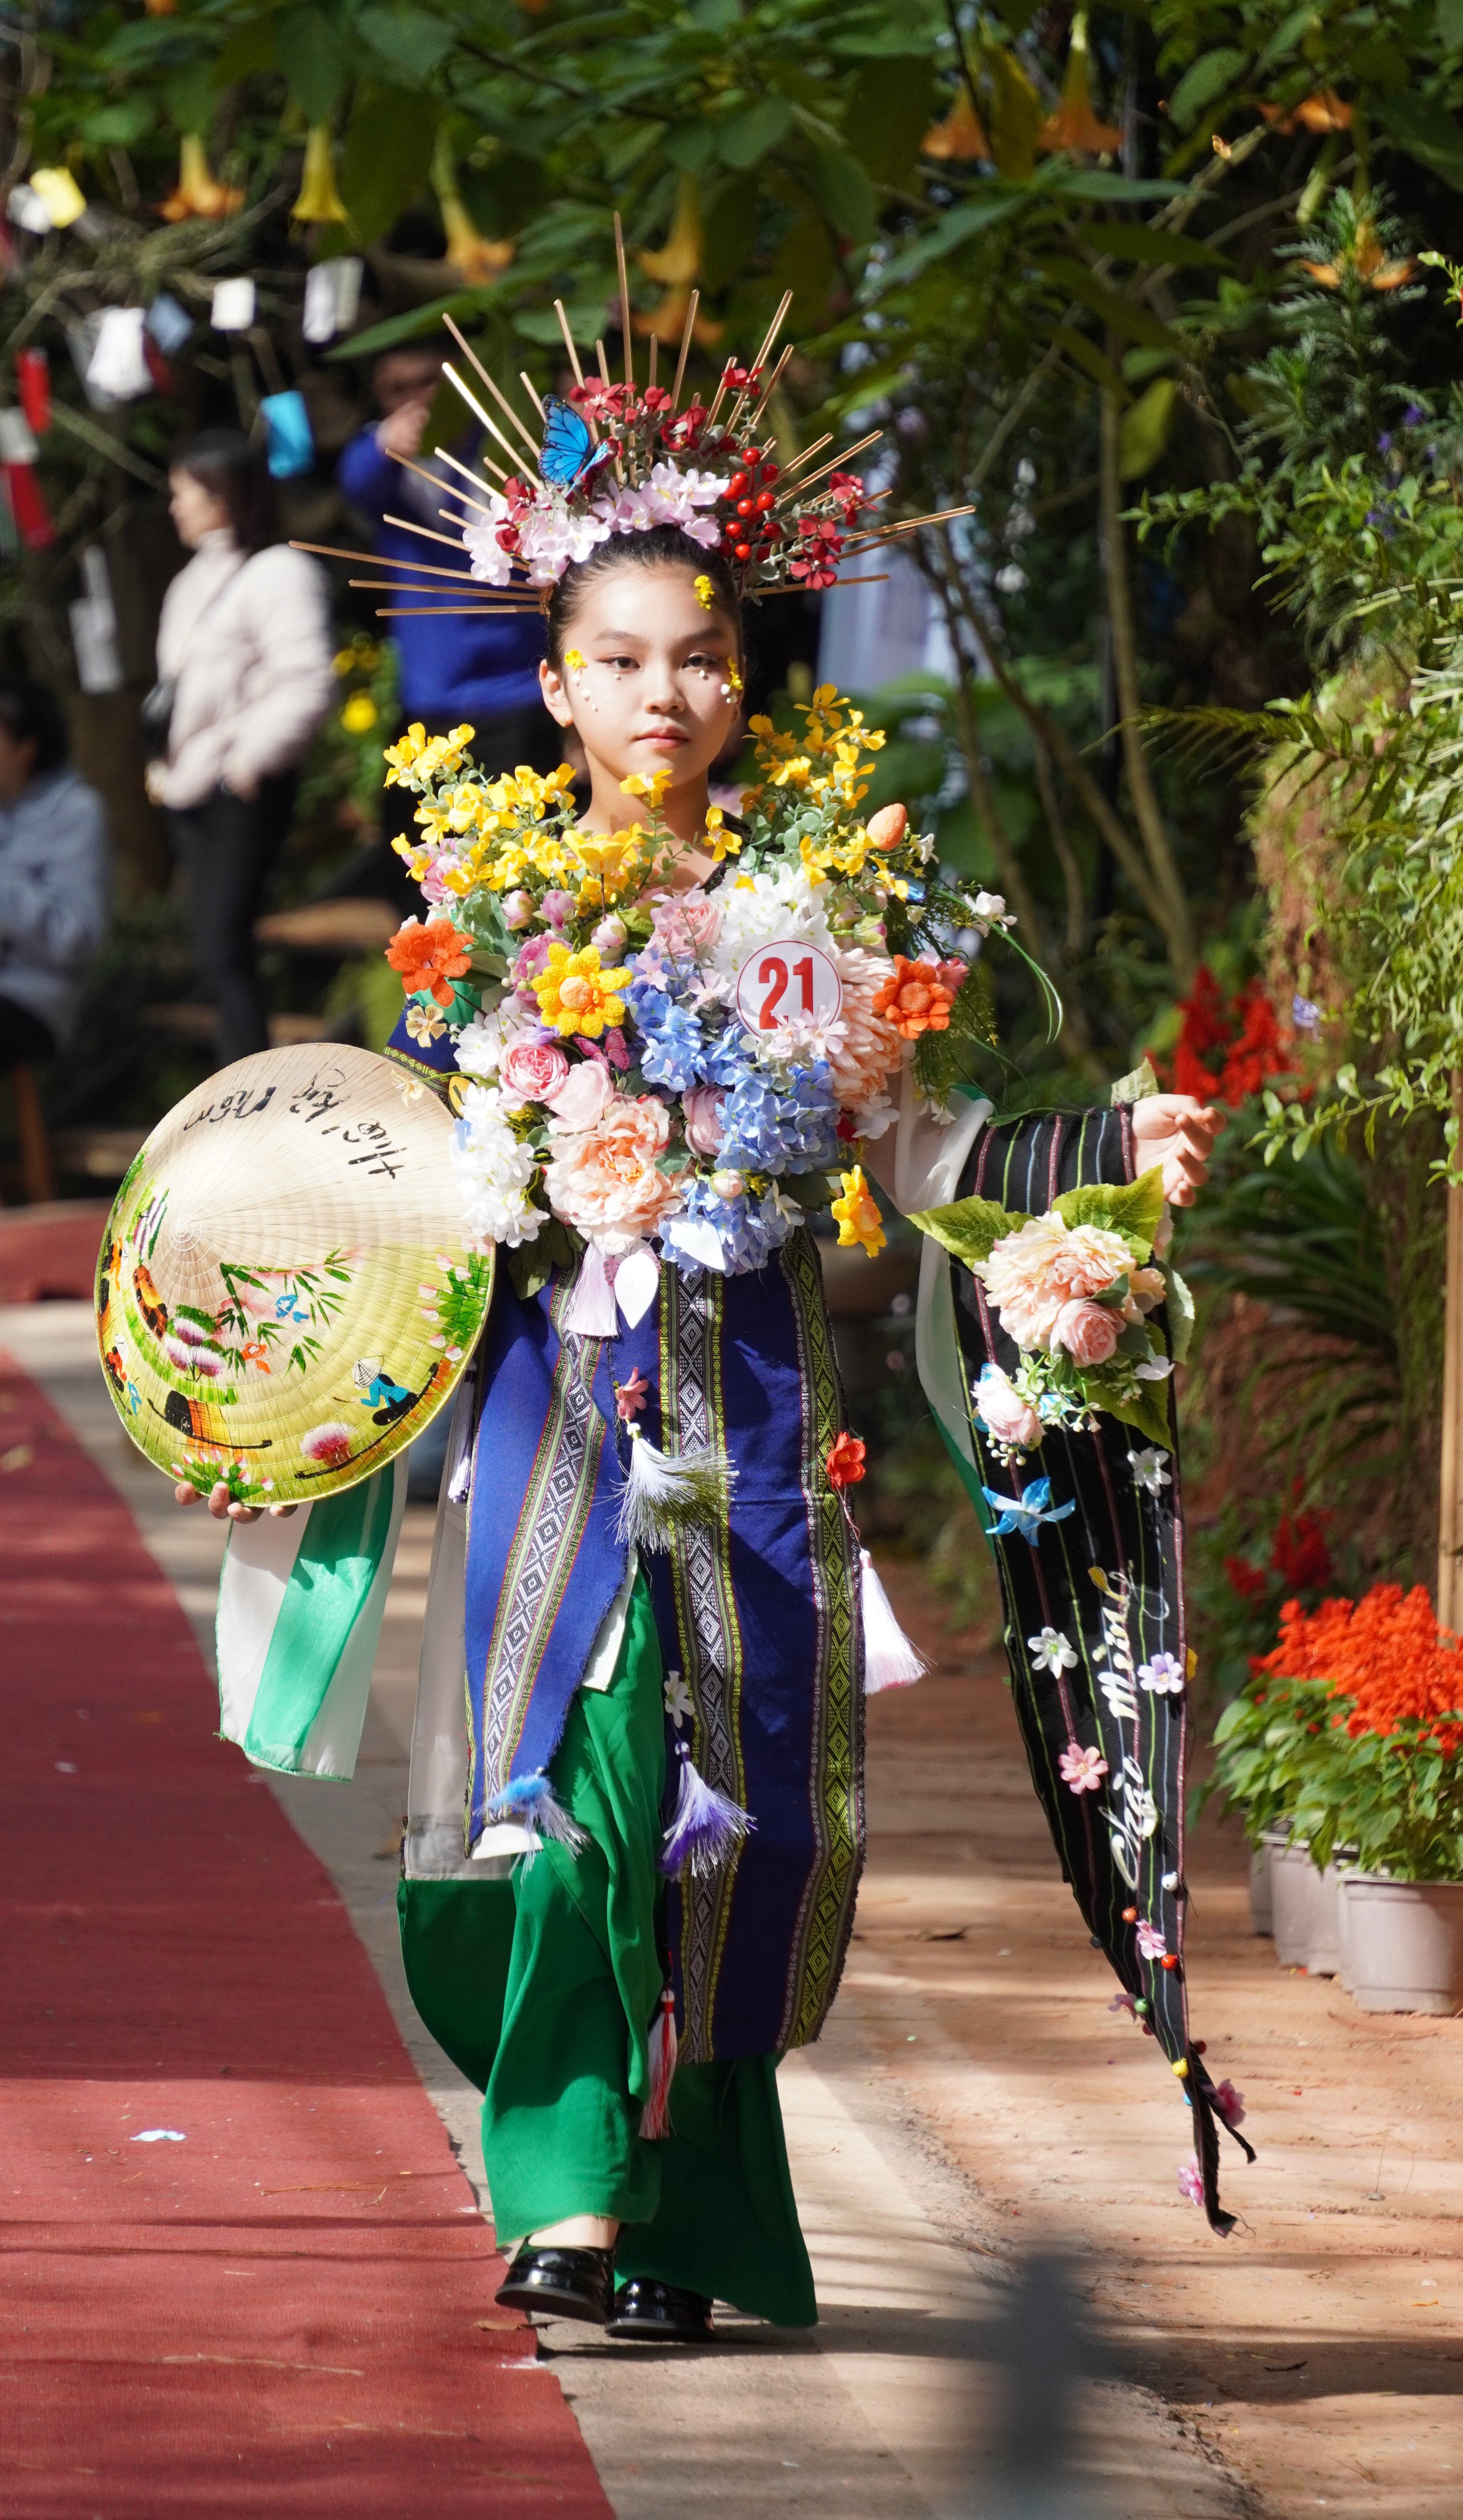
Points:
point(1350, 1728)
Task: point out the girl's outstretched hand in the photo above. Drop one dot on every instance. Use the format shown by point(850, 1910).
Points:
point(223, 1507)
point(1178, 1132)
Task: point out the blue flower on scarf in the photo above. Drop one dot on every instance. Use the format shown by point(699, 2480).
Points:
point(1027, 1512)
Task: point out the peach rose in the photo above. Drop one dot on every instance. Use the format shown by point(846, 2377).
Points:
point(583, 1098)
point(1087, 1331)
point(686, 922)
point(1090, 1258)
point(1032, 1274)
point(602, 1180)
point(531, 1071)
point(1003, 1413)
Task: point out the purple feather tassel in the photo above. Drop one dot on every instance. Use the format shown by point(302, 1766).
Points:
point(706, 1828)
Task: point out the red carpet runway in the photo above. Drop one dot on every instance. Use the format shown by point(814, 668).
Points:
point(288, 2314)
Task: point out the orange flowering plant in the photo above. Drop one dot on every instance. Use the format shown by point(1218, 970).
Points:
point(1349, 1732)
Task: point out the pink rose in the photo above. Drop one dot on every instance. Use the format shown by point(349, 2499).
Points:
point(1087, 1331)
point(532, 1070)
point(687, 922)
point(1003, 1413)
point(583, 1098)
point(1090, 1258)
point(517, 909)
point(701, 1111)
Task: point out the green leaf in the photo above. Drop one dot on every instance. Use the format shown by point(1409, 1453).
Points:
point(465, 305)
point(1123, 314)
point(1144, 429)
point(1086, 355)
point(1136, 1085)
point(1450, 25)
point(309, 51)
point(386, 159)
point(889, 111)
point(412, 42)
point(119, 126)
point(966, 220)
point(1180, 1316)
point(249, 49)
point(1202, 82)
point(190, 98)
point(1129, 240)
point(748, 136)
point(1428, 132)
point(844, 193)
point(1133, 1209)
point(969, 1227)
point(1148, 1412)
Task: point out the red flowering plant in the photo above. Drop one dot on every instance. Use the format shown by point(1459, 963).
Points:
point(1350, 1731)
point(1229, 1048)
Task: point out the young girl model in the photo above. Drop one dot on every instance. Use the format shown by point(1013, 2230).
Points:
point(645, 1566)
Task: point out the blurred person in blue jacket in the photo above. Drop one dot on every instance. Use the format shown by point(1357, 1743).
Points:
point(481, 671)
point(54, 876)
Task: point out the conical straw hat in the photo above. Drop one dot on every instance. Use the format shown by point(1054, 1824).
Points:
point(284, 1295)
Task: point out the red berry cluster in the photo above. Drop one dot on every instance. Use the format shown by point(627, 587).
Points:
point(748, 520)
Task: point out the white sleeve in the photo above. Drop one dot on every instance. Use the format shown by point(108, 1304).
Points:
point(292, 677)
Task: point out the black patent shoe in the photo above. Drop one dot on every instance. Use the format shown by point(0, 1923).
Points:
point(659, 2313)
point(562, 2283)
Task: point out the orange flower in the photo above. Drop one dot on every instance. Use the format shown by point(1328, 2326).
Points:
point(845, 1462)
point(915, 1000)
point(429, 957)
point(1385, 1654)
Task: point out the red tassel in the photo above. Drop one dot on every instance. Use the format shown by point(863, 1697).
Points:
point(655, 2116)
point(29, 508)
point(33, 378)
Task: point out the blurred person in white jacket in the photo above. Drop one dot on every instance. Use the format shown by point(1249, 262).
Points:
point(244, 678)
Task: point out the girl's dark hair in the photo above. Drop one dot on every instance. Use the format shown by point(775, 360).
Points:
point(32, 714)
point(225, 462)
point(663, 547)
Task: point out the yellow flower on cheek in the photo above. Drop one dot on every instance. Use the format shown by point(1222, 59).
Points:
point(574, 659)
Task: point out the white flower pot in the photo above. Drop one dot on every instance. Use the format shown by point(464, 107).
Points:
point(1261, 1901)
point(1295, 1888)
point(1324, 1959)
point(1404, 1943)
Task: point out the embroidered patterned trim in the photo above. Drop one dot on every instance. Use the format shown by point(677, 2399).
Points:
point(550, 1529)
point(826, 1912)
point(694, 1413)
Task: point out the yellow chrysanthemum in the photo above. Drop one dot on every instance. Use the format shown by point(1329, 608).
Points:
point(576, 996)
point(856, 1214)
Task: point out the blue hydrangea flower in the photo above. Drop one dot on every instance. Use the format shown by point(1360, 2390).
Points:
point(671, 1053)
point(729, 1234)
point(773, 1129)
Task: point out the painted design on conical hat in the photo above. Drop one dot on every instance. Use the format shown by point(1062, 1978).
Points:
point(286, 1295)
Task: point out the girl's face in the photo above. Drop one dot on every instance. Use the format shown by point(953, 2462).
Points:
point(649, 683)
point(195, 509)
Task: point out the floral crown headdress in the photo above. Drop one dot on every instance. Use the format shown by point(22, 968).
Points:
point(627, 458)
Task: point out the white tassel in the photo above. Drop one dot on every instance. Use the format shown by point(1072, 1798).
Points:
point(591, 1306)
point(890, 1661)
point(670, 1492)
point(655, 2116)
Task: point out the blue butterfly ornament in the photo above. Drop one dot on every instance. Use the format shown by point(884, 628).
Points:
point(568, 451)
point(1027, 1512)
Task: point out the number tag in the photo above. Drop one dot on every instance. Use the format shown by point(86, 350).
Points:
point(786, 982)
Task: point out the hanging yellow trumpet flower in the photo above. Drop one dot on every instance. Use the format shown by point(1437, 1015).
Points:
point(477, 259)
point(961, 134)
point(676, 264)
point(1075, 125)
point(198, 193)
point(319, 204)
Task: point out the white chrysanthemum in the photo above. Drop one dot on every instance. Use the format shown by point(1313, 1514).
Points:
point(480, 1043)
point(492, 1171)
point(758, 908)
point(870, 1047)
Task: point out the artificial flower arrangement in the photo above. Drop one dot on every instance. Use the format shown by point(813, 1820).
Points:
point(654, 1075)
point(1348, 1732)
point(1075, 1289)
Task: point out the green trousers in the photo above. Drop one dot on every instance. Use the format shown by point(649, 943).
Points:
point(709, 2206)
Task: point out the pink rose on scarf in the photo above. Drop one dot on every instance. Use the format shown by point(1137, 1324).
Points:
point(583, 1098)
point(701, 1114)
point(604, 1180)
point(687, 922)
point(1003, 1413)
point(1087, 1331)
point(531, 1071)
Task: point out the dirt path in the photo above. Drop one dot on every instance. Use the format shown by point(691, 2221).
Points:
point(1318, 2353)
